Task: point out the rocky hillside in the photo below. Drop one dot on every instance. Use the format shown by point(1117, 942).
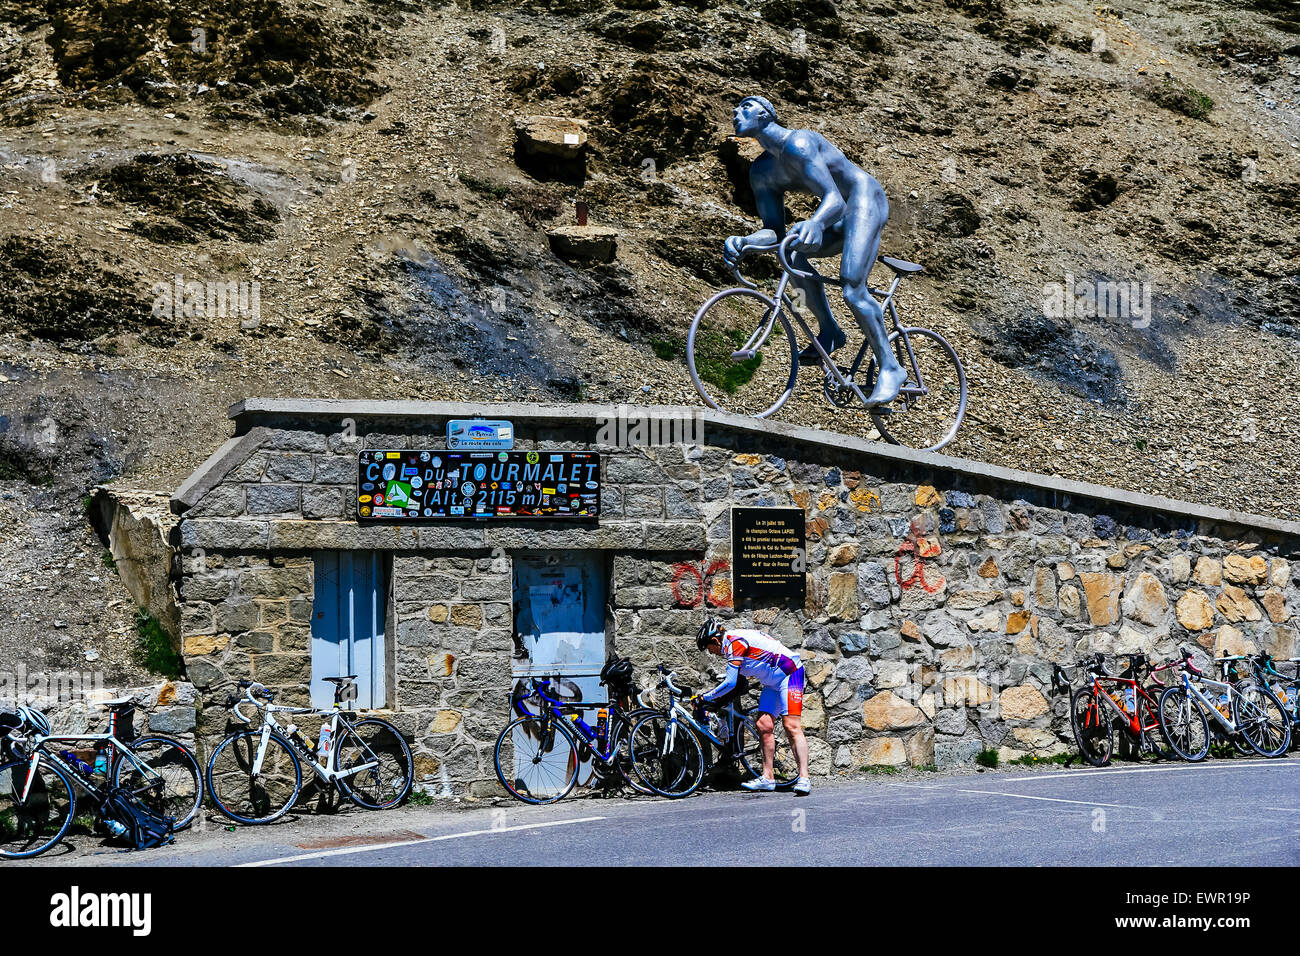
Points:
point(357, 161)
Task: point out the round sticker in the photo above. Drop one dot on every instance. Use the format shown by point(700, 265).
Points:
point(417, 481)
point(424, 456)
point(467, 489)
point(532, 457)
point(437, 463)
point(503, 457)
point(365, 511)
point(379, 499)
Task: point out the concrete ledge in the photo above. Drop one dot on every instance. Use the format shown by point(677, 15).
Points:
point(220, 463)
point(254, 413)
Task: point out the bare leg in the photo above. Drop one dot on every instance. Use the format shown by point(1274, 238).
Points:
point(829, 333)
point(767, 736)
point(798, 743)
point(863, 222)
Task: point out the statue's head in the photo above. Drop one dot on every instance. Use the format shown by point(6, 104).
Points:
point(752, 114)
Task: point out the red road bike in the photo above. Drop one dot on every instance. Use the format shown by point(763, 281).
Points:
point(1108, 705)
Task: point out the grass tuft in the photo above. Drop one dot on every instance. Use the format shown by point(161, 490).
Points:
point(154, 651)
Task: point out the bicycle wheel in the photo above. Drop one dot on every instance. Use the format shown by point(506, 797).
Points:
point(252, 798)
point(757, 382)
point(1093, 730)
point(1262, 719)
point(749, 745)
point(170, 764)
point(930, 421)
point(671, 766)
point(30, 826)
point(536, 759)
point(1149, 715)
point(1184, 724)
point(377, 742)
point(622, 730)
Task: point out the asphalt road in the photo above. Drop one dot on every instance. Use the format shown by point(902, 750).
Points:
point(1232, 812)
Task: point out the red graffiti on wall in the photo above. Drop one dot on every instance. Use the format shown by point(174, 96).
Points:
point(920, 548)
point(702, 585)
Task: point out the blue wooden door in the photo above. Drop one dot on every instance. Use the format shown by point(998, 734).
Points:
point(347, 627)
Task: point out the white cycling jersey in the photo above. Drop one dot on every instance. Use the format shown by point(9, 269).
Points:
point(757, 656)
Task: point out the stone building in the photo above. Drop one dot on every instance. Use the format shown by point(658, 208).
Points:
point(939, 591)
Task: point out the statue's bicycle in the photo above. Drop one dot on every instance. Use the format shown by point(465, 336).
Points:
point(744, 357)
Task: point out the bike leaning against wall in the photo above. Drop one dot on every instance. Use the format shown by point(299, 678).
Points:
point(255, 775)
point(1246, 708)
point(41, 772)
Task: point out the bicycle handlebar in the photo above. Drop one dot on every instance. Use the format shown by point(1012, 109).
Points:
point(783, 253)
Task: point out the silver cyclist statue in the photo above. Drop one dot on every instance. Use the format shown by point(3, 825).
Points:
point(742, 348)
point(849, 221)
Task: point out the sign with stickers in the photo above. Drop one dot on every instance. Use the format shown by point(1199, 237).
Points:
point(432, 484)
point(479, 434)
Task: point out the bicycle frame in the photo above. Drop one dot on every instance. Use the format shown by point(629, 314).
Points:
point(328, 771)
point(1289, 696)
point(731, 714)
point(551, 707)
point(759, 338)
point(1131, 720)
point(116, 750)
point(1208, 705)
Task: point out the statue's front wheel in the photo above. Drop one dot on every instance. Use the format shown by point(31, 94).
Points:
point(741, 353)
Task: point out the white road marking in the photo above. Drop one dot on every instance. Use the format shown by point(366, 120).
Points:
point(343, 851)
point(1274, 764)
point(1283, 809)
point(1025, 796)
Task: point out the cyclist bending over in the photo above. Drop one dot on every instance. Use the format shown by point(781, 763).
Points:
point(763, 658)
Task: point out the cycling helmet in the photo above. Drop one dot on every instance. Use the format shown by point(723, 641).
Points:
point(617, 671)
point(709, 630)
point(34, 719)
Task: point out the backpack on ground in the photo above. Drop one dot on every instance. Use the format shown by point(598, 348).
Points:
point(140, 827)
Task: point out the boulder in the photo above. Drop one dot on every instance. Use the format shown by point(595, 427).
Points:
point(1208, 572)
point(1236, 605)
point(584, 243)
point(1194, 611)
point(885, 711)
point(1102, 591)
point(1240, 569)
point(884, 752)
point(1274, 602)
point(557, 137)
point(1022, 703)
point(1145, 601)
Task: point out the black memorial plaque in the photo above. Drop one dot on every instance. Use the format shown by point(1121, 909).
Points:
point(768, 554)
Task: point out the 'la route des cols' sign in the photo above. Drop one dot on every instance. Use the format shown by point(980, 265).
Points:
point(400, 485)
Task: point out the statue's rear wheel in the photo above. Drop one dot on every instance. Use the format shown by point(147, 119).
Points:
point(925, 422)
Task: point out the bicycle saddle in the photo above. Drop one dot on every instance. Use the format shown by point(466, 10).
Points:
point(900, 266)
point(116, 702)
point(340, 680)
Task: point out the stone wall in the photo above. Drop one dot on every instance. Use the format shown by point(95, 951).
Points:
point(937, 599)
point(168, 707)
